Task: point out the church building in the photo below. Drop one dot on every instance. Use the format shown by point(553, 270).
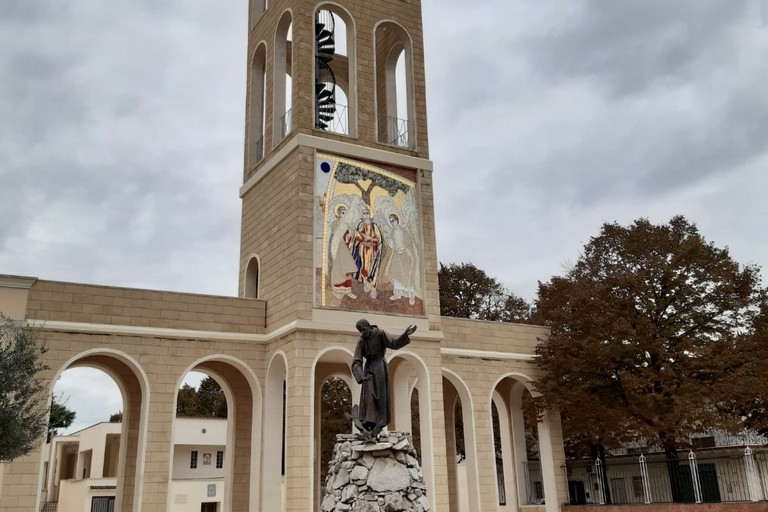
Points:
point(337, 224)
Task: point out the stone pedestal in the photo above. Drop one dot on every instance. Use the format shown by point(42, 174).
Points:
point(374, 477)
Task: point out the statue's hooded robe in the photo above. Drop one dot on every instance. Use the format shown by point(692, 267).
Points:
point(374, 375)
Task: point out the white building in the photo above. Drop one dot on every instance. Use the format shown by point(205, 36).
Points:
point(80, 469)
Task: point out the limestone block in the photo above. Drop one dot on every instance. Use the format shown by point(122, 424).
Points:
point(341, 479)
point(388, 475)
point(349, 494)
point(394, 502)
point(359, 473)
point(371, 447)
point(366, 506)
point(367, 460)
point(328, 503)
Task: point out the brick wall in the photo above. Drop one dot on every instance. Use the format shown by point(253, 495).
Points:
point(75, 302)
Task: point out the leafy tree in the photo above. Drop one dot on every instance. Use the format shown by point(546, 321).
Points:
point(747, 398)
point(207, 401)
point(22, 394)
point(336, 399)
point(60, 417)
point(186, 402)
point(354, 175)
point(116, 417)
point(468, 292)
point(647, 330)
point(211, 401)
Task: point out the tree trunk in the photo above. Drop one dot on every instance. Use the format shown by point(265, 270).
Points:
point(598, 453)
point(675, 478)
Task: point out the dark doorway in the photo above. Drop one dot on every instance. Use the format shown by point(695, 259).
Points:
point(576, 492)
point(103, 504)
point(710, 492)
point(209, 507)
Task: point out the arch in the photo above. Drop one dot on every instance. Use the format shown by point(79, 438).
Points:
point(252, 277)
point(133, 384)
point(243, 394)
point(333, 361)
point(395, 104)
point(507, 395)
point(508, 467)
point(340, 63)
point(282, 90)
point(254, 150)
point(406, 367)
point(257, 8)
point(461, 392)
point(274, 428)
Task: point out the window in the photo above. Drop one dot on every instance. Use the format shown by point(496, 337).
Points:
point(637, 487)
point(252, 278)
point(282, 91)
point(395, 107)
point(335, 88)
point(257, 8)
point(103, 504)
point(703, 442)
point(219, 459)
point(193, 460)
point(256, 108)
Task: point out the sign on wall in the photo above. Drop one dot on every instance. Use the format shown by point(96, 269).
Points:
point(368, 250)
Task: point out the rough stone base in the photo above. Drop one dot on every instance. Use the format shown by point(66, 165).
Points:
point(374, 477)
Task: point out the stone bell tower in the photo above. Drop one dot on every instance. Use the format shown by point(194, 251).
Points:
point(337, 186)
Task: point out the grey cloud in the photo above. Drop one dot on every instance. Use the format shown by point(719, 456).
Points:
point(628, 46)
point(32, 11)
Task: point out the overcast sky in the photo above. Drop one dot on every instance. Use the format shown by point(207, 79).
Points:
point(121, 133)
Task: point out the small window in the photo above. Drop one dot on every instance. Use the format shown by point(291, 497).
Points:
point(252, 278)
point(193, 460)
point(219, 459)
point(703, 442)
point(103, 504)
point(637, 487)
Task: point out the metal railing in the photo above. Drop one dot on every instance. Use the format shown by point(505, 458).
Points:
point(285, 125)
point(258, 151)
point(396, 132)
point(533, 482)
point(341, 120)
point(737, 475)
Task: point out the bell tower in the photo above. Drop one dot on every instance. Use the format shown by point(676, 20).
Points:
point(337, 212)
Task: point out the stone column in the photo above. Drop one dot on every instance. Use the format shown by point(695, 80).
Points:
point(299, 459)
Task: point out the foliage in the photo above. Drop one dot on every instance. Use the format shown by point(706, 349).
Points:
point(468, 292)
point(336, 399)
point(746, 377)
point(416, 422)
point(22, 394)
point(211, 401)
point(60, 417)
point(649, 330)
point(207, 401)
point(354, 175)
point(116, 417)
point(186, 402)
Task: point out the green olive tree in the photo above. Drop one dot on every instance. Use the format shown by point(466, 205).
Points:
point(23, 399)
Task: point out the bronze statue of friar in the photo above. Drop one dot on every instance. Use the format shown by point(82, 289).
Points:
point(369, 367)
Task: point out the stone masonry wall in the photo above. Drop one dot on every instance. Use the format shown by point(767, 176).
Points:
point(374, 477)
